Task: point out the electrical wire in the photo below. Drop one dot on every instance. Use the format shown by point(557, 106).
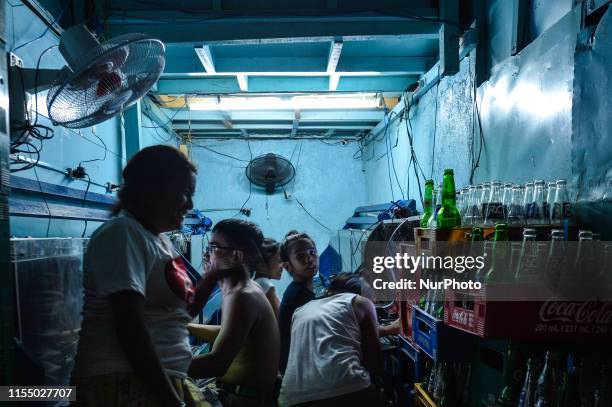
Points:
point(311, 215)
point(15, 48)
point(97, 159)
point(476, 119)
point(433, 148)
point(83, 203)
point(250, 183)
point(42, 194)
point(30, 129)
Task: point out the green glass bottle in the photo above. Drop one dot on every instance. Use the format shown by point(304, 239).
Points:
point(499, 271)
point(448, 217)
point(510, 393)
point(427, 203)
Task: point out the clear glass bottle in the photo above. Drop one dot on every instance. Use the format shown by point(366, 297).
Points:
point(585, 264)
point(527, 200)
point(494, 208)
point(527, 268)
point(466, 216)
point(476, 212)
point(550, 199)
point(434, 209)
point(561, 208)
point(516, 215)
point(485, 194)
point(507, 197)
point(537, 205)
point(556, 262)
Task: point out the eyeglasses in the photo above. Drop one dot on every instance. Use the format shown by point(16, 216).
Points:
point(213, 247)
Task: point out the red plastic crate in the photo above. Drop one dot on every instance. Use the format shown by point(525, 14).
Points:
point(529, 320)
point(407, 299)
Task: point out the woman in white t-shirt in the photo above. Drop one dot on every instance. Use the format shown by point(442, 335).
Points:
point(133, 347)
point(335, 353)
point(269, 269)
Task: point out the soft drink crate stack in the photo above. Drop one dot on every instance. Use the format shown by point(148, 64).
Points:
point(473, 311)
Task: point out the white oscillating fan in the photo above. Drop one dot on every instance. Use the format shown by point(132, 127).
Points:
point(101, 79)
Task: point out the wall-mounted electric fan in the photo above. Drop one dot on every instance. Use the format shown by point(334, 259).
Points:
point(270, 171)
point(100, 79)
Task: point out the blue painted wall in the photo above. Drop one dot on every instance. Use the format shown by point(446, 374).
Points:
point(329, 183)
point(68, 147)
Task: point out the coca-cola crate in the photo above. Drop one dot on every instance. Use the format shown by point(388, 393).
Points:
point(407, 299)
point(438, 341)
point(528, 320)
point(425, 238)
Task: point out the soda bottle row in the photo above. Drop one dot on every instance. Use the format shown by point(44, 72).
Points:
point(535, 203)
point(552, 262)
point(448, 383)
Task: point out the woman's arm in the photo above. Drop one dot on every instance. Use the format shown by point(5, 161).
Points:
point(370, 347)
point(206, 333)
point(203, 290)
point(134, 338)
point(393, 328)
point(274, 301)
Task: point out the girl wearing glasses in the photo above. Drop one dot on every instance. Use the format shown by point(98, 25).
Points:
point(299, 255)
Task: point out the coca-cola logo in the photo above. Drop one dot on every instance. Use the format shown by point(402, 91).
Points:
point(579, 312)
point(461, 316)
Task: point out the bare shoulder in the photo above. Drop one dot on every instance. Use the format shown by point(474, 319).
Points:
point(363, 307)
point(244, 297)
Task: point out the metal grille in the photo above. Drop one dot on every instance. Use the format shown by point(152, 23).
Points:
point(112, 77)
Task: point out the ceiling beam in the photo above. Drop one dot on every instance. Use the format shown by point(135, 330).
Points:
point(243, 82)
point(275, 30)
point(335, 50)
point(206, 58)
point(311, 65)
point(327, 115)
point(293, 127)
point(333, 81)
point(283, 84)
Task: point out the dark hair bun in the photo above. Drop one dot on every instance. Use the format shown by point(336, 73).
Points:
point(291, 233)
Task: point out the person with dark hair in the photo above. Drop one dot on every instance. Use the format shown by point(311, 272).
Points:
point(133, 347)
point(299, 255)
point(244, 356)
point(269, 269)
point(338, 355)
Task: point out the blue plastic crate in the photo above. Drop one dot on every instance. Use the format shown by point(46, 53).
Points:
point(438, 341)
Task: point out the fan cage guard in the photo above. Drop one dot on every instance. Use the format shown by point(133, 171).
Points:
point(283, 166)
point(136, 62)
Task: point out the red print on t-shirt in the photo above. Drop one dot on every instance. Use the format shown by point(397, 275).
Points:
point(178, 280)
